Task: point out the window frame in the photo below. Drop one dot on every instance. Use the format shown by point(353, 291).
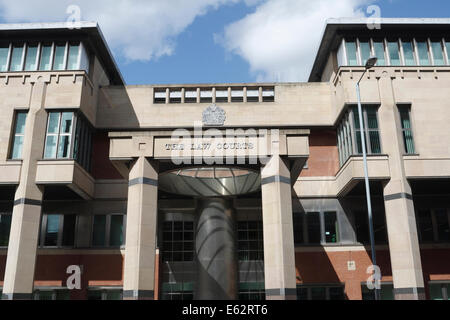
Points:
point(445, 284)
point(303, 216)
point(60, 237)
point(326, 286)
point(14, 134)
point(411, 129)
point(59, 135)
point(104, 291)
point(54, 291)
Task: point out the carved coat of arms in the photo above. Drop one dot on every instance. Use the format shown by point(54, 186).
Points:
point(214, 116)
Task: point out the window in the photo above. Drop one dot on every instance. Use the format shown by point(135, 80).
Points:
point(16, 58)
point(105, 293)
point(331, 227)
point(178, 291)
point(405, 119)
point(237, 95)
point(59, 135)
point(313, 227)
point(31, 58)
point(422, 51)
point(438, 53)
point(439, 290)
point(178, 241)
point(19, 135)
point(58, 230)
point(46, 57)
point(362, 227)
point(320, 292)
point(268, 94)
point(387, 292)
point(252, 95)
point(5, 227)
point(434, 225)
point(378, 47)
point(352, 58)
point(349, 133)
point(160, 96)
point(447, 49)
point(190, 96)
point(365, 51)
point(73, 58)
point(206, 96)
point(4, 54)
point(82, 149)
point(221, 95)
point(408, 53)
point(108, 230)
point(175, 96)
point(51, 294)
point(299, 228)
point(250, 241)
point(59, 62)
point(394, 53)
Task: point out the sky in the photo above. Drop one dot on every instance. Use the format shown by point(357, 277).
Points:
point(214, 41)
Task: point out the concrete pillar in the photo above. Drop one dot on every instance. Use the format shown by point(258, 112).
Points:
point(215, 247)
point(140, 244)
point(400, 217)
point(279, 255)
point(21, 259)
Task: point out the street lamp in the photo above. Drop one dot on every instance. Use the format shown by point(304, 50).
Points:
point(371, 62)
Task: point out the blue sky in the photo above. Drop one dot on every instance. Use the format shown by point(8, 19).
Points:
point(213, 41)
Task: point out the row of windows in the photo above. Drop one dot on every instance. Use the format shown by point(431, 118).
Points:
point(395, 52)
point(349, 132)
point(44, 56)
point(68, 136)
point(110, 293)
point(216, 95)
point(60, 230)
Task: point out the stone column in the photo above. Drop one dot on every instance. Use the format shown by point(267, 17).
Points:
point(279, 254)
point(400, 217)
point(216, 251)
point(140, 244)
point(21, 259)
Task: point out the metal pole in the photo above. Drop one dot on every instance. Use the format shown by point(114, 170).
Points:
point(366, 179)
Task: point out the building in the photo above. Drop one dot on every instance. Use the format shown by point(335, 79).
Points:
point(224, 191)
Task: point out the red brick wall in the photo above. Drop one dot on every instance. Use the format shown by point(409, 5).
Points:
point(323, 154)
point(102, 167)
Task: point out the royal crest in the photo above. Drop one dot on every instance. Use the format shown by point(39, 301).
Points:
point(214, 116)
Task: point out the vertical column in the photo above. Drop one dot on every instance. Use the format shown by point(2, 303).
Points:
point(140, 245)
point(216, 252)
point(398, 202)
point(21, 259)
point(279, 255)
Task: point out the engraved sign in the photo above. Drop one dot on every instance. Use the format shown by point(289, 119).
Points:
point(214, 116)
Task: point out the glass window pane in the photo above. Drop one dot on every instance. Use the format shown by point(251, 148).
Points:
point(51, 235)
point(351, 53)
point(408, 51)
point(394, 53)
point(372, 118)
point(313, 221)
point(331, 227)
point(5, 227)
point(45, 295)
point(53, 123)
point(438, 54)
point(69, 230)
point(94, 295)
point(62, 295)
point(4, 58)
point(66, 122)
point(375, 144)
point(16, 59)
point(60, 51)
point(298, 228)
point(113, 295)
point(365, 51)
point(116, 234)
point(361, 227)
point(64, 147)
point(98, 236)
point(302, 293)
point(337, 293)
point(30, 61)
point(17, 148)
point(424, 57)
point(21, 118)
point(50, 147)
point(379, 53)
point(447, 46)
point(46, 55)
point(72, 63)
point(436, 291)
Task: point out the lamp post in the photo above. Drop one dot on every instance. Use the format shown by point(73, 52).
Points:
point(371, 62)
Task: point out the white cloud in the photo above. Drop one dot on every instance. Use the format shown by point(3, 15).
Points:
point(136, 29)
point(280, 38)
